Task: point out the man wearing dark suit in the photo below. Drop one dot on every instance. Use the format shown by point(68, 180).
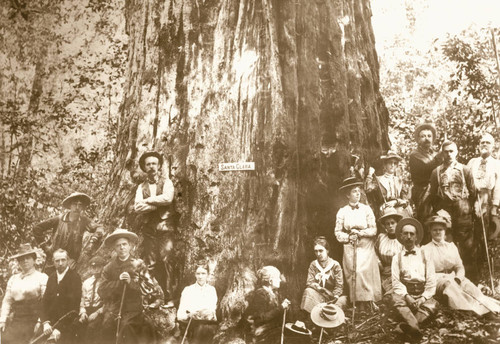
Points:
point(62, 296)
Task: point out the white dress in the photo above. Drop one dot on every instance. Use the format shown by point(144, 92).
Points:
point(368, 285)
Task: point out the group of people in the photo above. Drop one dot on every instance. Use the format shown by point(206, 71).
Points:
point(410, 248)
point(413, 261)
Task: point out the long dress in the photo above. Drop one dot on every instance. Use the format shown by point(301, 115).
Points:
point(265, 314)
point(368, 285)
point(21, 306)
point(387, 248)
point(463, 296)
point(329, 277)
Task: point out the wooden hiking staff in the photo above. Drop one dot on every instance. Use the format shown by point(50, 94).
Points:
point(119, 318)
point(283, 326)
point(486, 244)
point(354, 267)
point(186, 332)
point(320, 335)
point(33, 341)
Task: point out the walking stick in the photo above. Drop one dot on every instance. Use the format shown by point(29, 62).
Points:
point(33, 341)
point(283, 326)
point(355, 244)
point(120, 313)
point(320, 335)
point(486, 244)
point(187, 329)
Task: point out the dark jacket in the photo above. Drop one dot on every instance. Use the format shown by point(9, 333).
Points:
point(112, 288)
point(66, 234)
point(59, 299)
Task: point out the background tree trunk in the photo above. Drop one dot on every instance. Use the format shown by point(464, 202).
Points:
point(290, 85)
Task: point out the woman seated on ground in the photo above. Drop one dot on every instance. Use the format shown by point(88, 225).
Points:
point(265, 309)
point(387, 246)
point(324, 279)
point(22, 301)
point(456, 290)
point(197, 308)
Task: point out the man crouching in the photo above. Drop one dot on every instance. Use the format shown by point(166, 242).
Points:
point(413, 279)
point(121, 294)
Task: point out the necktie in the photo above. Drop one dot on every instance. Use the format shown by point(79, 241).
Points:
point(482, 169)
point(354, 206)
point(407, 253)
point(92, 296)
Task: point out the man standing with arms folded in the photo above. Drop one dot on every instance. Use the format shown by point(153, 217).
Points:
point(152, 203)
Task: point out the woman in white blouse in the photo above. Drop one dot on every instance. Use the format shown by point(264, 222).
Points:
point(456, 290)
point(356, 227)
point(198, 305)
point(22, 301)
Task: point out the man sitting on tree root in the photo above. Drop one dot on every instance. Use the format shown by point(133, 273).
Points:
point(153, 200)
point(413, 279)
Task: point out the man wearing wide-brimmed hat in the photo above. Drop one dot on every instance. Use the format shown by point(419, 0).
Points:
point(120, 281)
point(422, 161)
point(69, 228)
point(153, 204)
point(413, 279)
point(388, 190)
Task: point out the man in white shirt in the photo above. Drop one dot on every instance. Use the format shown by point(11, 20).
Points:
point(153, 204)
point(413, 279)
point(486, 172)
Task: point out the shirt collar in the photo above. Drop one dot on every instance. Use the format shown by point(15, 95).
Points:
point(60, 276)
point(23, 275)
point(438, 243)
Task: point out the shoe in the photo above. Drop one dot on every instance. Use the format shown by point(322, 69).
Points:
point(413, 332)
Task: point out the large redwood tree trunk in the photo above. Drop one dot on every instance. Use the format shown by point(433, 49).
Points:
point(290, 85)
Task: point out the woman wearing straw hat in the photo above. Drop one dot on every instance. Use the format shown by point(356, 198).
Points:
point(452, 285)
point(266, 307)
point(22, 301)
point(356, 227)
point(324, 278)
point(387, 246)
point(388, 190)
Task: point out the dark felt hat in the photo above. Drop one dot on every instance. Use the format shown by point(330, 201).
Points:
point(413, 222)
point(349, 183)
point(24, 250)
point(80, 196)
point(142, 159)
point(425, 126)
point(298, 327)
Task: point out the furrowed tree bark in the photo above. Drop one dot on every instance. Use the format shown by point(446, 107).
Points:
point(290, 85)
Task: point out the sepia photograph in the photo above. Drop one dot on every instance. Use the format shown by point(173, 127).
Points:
point(249, 171)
